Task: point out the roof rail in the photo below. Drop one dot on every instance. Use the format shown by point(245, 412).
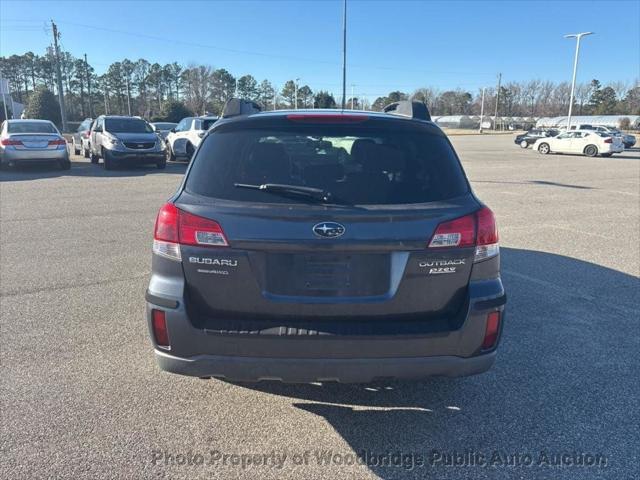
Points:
point(407, 108)
point(238, 106)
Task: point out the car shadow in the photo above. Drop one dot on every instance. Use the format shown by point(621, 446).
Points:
point(84, 168)
point(565, 381)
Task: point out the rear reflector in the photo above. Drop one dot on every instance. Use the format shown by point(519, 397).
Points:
point(608, 140)
point(328, 118)
point(175, 227)
point(491, 331)
point(6, 142)
point(160, 331)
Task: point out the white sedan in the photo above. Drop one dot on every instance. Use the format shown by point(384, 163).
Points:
point(588, 142)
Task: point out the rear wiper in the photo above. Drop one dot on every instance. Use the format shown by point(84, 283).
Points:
point(283, 189)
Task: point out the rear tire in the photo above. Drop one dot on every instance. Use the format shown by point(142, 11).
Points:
point(76, 150)
point(94, 158)
point(86, 153)
point(524, 144)
point(544, 148)
point(190, 151)
point(591, 150)
point(65, 165)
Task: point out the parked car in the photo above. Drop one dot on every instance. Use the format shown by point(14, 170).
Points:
point(311, 245)
point(628, 140)
point(80, 138)
point(119, 140)
point(183, 140)
point(588, 142)
point(163, 128)
point(31, 141)
point(530, 137)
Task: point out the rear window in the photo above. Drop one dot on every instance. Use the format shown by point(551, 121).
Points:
point(164, 126)
point(357, 165)
point(31, 127)
point(127, 125)
point(208, 123)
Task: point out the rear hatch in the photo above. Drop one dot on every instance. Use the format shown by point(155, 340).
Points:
point(361, 250)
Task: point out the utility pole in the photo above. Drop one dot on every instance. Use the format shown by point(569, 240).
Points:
point(63, 114)
point(4, 99)
point(577, 36)
point(495, 118)
point(88, 75)
point(481, 110)
point(344, 54)
point(128, 96)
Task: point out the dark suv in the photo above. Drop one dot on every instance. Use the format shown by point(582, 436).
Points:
point(325, 246)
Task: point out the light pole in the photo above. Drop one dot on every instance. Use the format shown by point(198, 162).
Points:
point(344, 53)
point(577, 36)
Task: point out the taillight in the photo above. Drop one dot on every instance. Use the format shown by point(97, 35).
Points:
point(487, 238)
point(175, 227)
point(608, 140)
point(86, 134)
point(196, 230)
point(460, 232)
point(6, 142)
point(491, 330)
point(477, 229)
point(60, 141)
point(327, 118)
point(159, 324)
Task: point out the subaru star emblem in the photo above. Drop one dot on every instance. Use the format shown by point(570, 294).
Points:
point(328, 229)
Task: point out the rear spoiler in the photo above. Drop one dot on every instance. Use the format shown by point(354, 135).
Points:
point(238, 106)
point(407, 108)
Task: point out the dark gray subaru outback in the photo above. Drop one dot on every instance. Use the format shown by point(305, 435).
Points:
point(325, 246)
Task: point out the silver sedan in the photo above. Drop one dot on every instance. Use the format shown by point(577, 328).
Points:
point(31, 141)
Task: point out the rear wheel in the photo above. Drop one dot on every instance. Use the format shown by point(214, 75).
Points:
point(591, 150)
point(190, 151)
point(524, 144)
point(94, 158)
point(544, 148)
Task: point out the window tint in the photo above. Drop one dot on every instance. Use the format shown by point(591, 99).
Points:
point(31, 127)
point(127, 125)
point(208, 123)
point(357, 165)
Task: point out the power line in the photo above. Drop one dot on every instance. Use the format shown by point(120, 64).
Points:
point(264, 54)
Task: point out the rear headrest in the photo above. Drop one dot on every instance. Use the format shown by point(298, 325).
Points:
point(376, 158)
point(321, 174)
point(268, 162)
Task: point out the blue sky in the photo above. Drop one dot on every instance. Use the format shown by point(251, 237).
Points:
point(391, 45)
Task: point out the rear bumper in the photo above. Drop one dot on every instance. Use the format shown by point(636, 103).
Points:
point(305, 370)
point(297, 356)
point(25, 156)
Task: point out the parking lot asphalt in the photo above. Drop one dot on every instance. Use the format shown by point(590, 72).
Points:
point(81, 396)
